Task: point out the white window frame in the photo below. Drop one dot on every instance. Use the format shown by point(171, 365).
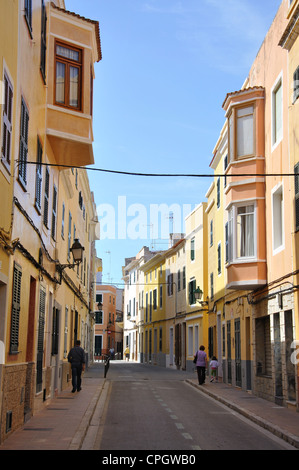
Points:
point(277, 218)
point(233, 234)
point(276, 139)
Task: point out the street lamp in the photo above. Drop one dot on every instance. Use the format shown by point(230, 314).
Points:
point(77, 252)
point(198, 295)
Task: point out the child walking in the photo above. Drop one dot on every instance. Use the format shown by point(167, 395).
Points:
point(214, 366)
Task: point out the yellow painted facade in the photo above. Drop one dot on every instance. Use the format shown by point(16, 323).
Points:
point(175, 304)
point(290, 42)
point(47, 304)
point(153, 329)
point(196, 277)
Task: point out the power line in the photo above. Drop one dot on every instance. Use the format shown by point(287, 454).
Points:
point(163, 175)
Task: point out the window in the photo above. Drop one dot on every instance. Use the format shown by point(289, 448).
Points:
point(146, 307)
point(161, 296)
point(55, 331)
point(245, 231)
point(219, 258)
point(192, 251)
point(38, 178)
point(43, 41)
point(170, 284)
point(15, 310)
point(68, 76)
point(192, 287)
point(296, 85)
point(28, 15)
point(65, 332)
point(184, 277)
point(277, 113)
point(226, 242)
point(69, 236)
point(231, 134)
point(211, 232)
point(240, 232)
point(263, 346)
point(277, 218)
point(54, 213)
point(179, 280)
point(241, 133)
point(62, 220)
point(218, 193)
point(212, 285)
point(23, 151)
point(155, 299)
point(245, 140)
point(225, 163)
point(46, 197)
point(7, 122)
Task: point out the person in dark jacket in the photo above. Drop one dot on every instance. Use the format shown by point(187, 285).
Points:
point(76, 357)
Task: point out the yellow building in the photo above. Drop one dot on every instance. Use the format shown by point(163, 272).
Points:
point(217, 252)
point(290, 42)
point(175, 278)
point(153, 329)
point(196, 278)
point(8, 86)
point(48, 304)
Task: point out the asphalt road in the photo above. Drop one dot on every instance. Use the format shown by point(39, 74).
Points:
point(153, 408)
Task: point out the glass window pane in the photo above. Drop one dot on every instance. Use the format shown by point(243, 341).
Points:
point(60, 82)
point(245, 232)
point(68, 53)
point(74, 87)
point(245, 135)
point(278, 114)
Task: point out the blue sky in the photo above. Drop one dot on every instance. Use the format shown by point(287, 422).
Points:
point(167, 66)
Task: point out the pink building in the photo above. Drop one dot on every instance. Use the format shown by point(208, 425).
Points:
point(260, 205)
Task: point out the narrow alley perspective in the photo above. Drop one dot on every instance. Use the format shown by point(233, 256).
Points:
point(144, 410)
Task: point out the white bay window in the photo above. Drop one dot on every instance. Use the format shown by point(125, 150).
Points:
point(241, 233)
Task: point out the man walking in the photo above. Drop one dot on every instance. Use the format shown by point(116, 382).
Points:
point(76, 357)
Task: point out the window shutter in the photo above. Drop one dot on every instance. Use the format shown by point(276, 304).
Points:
point(7, 120)
point(28, 13)
point(38, 183)
point(191, 292)
point(23, 143)
point(55, 331)
point(54, 213)
point(296, 84)
point(43, 41)
point(46, 198)
point(16, 307)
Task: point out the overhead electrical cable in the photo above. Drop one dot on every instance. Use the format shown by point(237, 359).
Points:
point(164, 175)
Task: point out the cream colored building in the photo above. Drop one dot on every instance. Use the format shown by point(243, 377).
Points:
point(196, 278)
point(49, 62)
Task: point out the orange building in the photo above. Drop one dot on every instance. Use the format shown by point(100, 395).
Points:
point(259, 202)
point(105, 321)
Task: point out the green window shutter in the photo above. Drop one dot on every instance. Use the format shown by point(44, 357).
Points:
point(16, 308)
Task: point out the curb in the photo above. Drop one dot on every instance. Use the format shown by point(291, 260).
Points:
point(82, 430)
point(282, 434)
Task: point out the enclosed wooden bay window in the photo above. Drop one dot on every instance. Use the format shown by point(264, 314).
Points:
point(68, 78)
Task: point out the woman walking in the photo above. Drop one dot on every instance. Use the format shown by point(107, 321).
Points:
point(201, 364)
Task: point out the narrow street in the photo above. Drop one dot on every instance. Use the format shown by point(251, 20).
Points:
point(152, 408)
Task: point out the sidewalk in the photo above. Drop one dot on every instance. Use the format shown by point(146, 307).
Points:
point(64, 422)
point(280, 421)
point(70, 421)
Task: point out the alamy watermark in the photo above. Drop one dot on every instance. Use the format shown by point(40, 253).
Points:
point(137, 221)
